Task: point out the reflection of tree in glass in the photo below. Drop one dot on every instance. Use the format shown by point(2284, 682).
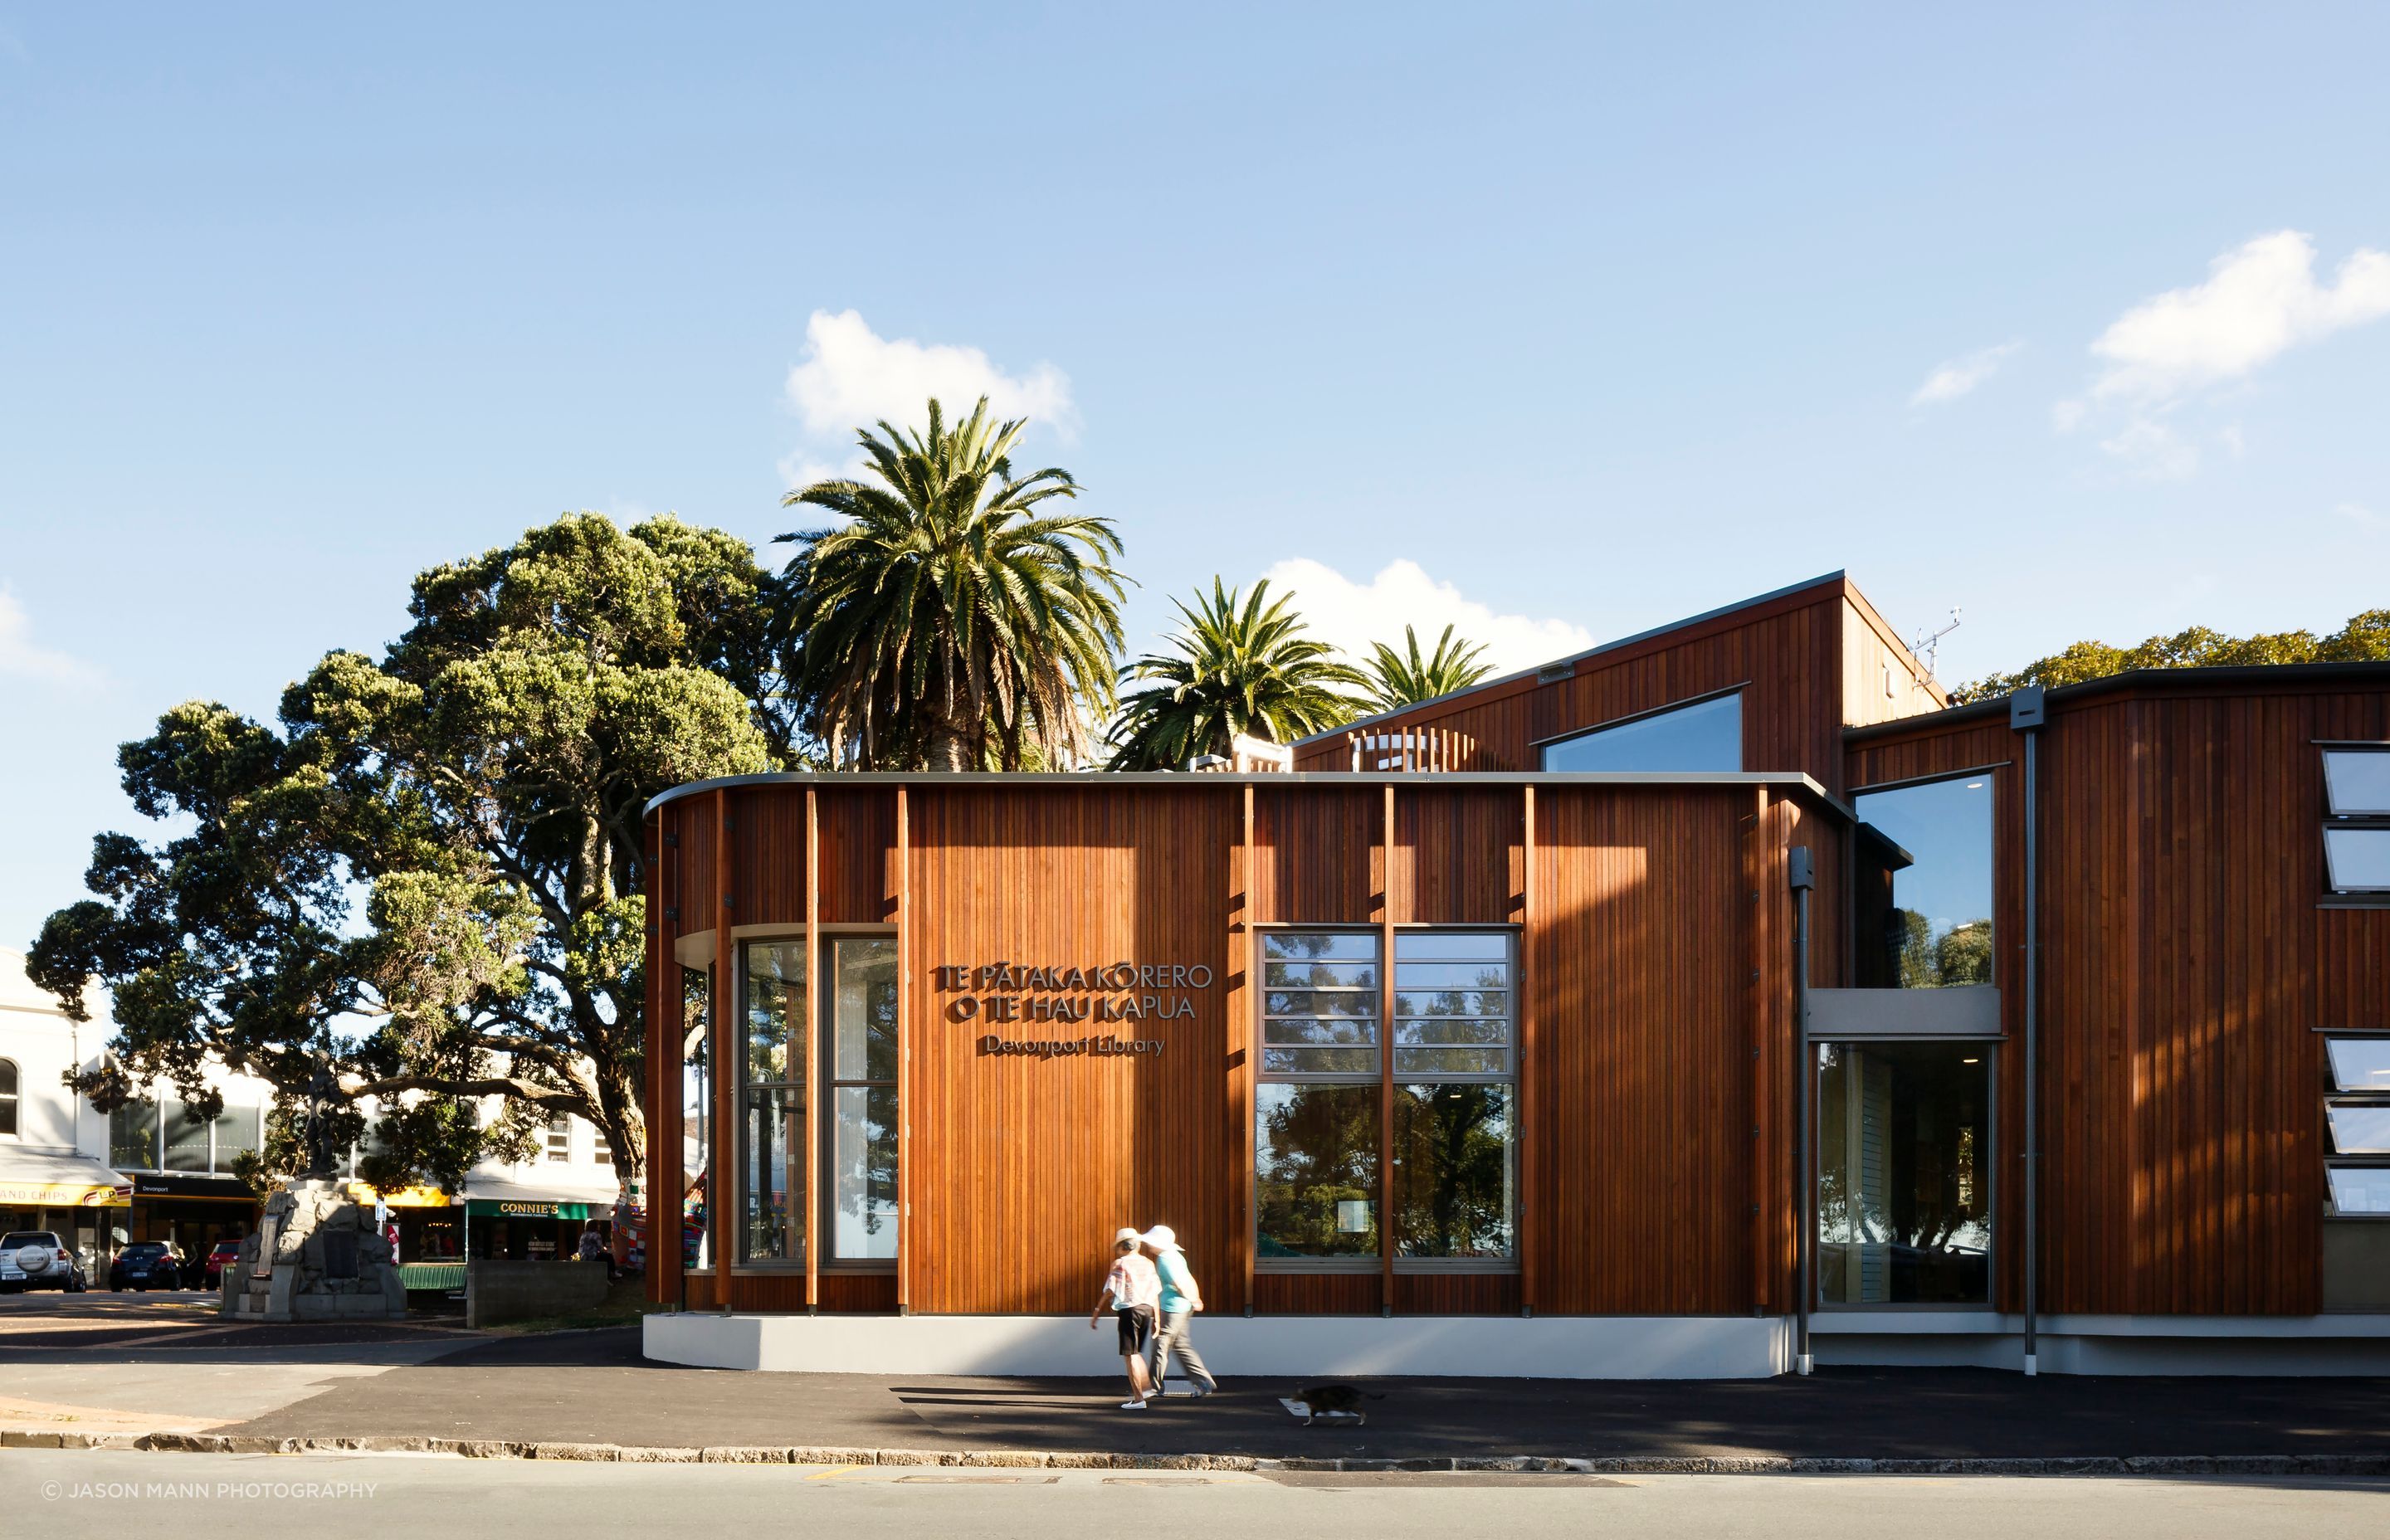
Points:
point(1452, 1150)
point(1318, 1148)
point(1961, 956)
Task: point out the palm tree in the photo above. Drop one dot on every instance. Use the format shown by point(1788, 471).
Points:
point(1237, 669)
point(1398, 679)
point(951, 623)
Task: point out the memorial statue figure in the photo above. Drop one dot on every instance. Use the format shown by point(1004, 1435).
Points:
point(322, 1158)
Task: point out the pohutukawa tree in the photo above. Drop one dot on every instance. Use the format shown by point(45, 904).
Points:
point(1405, 678)
point(432, 867)
point(1236, 667)
point(959, 618)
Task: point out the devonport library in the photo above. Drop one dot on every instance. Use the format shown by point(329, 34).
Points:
point(1717, 1002)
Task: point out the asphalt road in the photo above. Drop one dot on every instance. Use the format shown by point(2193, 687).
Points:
point(63, 1493)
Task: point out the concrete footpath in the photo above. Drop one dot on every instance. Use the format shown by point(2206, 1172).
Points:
point(87, 1373)
point(593, 1388)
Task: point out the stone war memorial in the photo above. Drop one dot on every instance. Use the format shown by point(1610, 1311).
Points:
point(316, 1255)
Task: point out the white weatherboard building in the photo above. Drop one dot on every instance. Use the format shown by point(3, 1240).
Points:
point(150, 1171)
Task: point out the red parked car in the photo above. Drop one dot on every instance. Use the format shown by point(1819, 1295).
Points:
point(225, 1254)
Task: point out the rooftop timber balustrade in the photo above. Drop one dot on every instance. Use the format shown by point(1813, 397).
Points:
point(1425, 749)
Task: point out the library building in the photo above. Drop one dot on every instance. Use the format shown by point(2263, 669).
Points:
point(1717, 1002)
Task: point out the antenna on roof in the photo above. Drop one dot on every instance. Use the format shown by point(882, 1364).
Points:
point(1928, 645)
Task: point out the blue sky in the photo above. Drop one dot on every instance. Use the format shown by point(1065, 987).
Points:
point(1595, 316)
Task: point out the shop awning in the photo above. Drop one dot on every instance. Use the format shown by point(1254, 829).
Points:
point(41, 1179)
point(405, 1198)
point(497, 1198)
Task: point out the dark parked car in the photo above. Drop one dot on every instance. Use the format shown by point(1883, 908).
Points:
point(146, 1265)
point(38, 1259)
point(225, 1254)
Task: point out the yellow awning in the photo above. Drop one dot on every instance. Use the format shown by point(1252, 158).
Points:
point(405, 1198)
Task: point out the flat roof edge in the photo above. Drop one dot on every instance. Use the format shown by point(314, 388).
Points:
point(2231, 677)
point(1838, 575)
point(1082, 780)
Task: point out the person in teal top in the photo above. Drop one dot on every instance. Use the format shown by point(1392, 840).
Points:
point(1181, 1300)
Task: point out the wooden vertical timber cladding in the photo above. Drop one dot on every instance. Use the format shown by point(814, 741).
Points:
point(1244, 1050)
point(908, 1017)
point(1531, 1136)
point(812, 1051)
point(2185, 965)
point(1383, 896)
point(1636, 1098)
point(1790, 655)
point(1021, 1167)
point(1640, 991)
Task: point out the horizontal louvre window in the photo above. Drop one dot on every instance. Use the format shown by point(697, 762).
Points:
point(1319, 975)
point(2360, 1063)
point(2356, 782)
point(2360, 1189)
point(1464, 945)
point(1452, 1004)
point(1319, 1061)
point(2359, 859)
point(2359, 1130)
point(1304, 1002)
point(1322, 945)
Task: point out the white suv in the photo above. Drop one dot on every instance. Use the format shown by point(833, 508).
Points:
point(38, 1259)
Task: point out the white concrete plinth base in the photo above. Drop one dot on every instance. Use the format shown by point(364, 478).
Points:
point(1276, 1348)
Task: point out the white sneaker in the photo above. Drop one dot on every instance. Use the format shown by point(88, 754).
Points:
point(1132, 1405)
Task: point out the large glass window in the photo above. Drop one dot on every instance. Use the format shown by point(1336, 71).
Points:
point(1922, 890)
point(862, 1082)
point(238, 1129)
point(1904, 1165)
point(2357, 833)
point(1454, 1136)
point(1316, 1130)
point(1706, 734)
point(695, 1114)
point(187, 1137)
point(2357, 1123)
point(772, 1105)
point(133, 1136)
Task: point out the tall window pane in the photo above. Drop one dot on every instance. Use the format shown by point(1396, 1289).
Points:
point(133, 1136)
point(1316, 1170)
point(1904, 1160)
point(187, 1137)
point(863, 1135)
point(1317, 1118)
point(1922, 890)
point(1453, 1179)
point(772, 1104)
point(696, 1115)
point(2356, 782)
point(240, 1129)
point(1704, 735)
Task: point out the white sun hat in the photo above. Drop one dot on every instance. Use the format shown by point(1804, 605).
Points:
point(1126, 1232)
point(1161, 1238)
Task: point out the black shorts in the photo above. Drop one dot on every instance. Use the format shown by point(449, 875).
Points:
point(1136, 1328)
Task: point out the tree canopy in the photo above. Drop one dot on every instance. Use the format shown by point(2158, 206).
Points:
point(1405, 678)
point(1235, 667)
point(433, 866)
point(952, 622)
point(2366, 636)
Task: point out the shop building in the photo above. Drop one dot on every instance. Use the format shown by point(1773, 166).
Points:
point(1709, 1003)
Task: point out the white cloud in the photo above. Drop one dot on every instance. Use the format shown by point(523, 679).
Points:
point(2363, 516)
point(2258, 301)
point(1957, 376)
point(21, 658)
point(2153, 452)
point(1351, 615)
point(852, 377)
